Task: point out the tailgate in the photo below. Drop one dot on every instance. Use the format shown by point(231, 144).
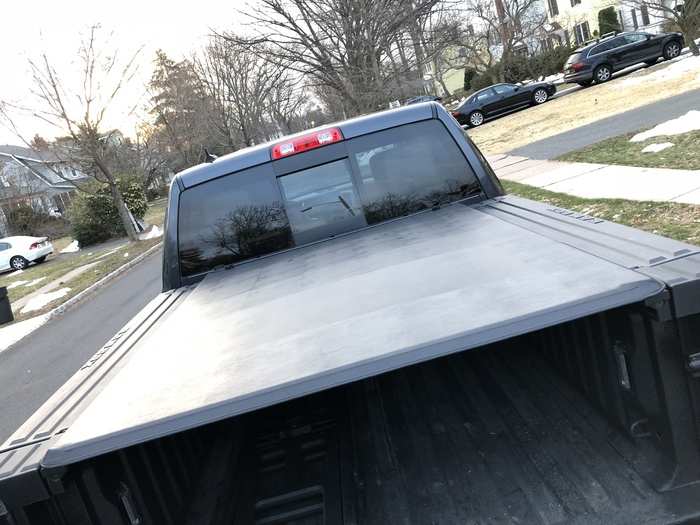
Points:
point(338, 311)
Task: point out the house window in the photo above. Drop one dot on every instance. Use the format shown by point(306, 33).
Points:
point(575, 2)
point(470, 30)
point(553, 7)
point(635, 24)
point(645, 15)
point(582, 32)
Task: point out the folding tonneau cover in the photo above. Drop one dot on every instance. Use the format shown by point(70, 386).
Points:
point(356, 306)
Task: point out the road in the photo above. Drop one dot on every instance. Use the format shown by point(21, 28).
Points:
point(34, 368)
point(627, 122)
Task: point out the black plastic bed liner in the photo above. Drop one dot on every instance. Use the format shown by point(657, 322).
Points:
point(478, 437)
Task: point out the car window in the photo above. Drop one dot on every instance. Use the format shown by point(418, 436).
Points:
point(483, 96)
point(243, 217)
point(601, 48)
point(504, 89)
point(410, 168)
point(4, 246)
point(634, 38)
point(386, 174)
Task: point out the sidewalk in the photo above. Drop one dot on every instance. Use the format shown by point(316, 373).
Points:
point(601, 180)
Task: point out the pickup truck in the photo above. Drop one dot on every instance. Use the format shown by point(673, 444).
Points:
point(358, 326)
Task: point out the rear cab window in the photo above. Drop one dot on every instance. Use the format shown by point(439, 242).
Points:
point(378, 177)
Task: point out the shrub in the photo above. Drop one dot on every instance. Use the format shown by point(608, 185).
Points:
point(607, 20)
point(94, 217)
point(24, 220)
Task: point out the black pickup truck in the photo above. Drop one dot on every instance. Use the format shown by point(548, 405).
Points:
point(357, 326)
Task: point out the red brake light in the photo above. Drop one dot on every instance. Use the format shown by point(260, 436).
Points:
point(306, 142)
point(578, 66)
point(455, 114)
point(34, 246)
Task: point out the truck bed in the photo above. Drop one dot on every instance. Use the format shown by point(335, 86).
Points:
point(492, 436)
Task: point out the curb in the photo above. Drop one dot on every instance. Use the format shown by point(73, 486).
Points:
point(60, 309)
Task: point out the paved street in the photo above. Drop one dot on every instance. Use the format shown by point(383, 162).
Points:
point(33, 369)
point(627, 122)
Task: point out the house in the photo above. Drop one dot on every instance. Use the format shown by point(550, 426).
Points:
point(576, 21)
point(34, 178)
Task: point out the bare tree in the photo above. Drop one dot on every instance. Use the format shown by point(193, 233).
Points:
point(78, 113)
point(356, 48)
point(499, 29)
point(684, 14)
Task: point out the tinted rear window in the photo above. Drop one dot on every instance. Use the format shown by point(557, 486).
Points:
point(385, 175)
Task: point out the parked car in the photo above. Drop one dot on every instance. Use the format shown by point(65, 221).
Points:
point(358, 326)
point(422, 98)
point(501, 98)
point(17, 252)
point(596, 62)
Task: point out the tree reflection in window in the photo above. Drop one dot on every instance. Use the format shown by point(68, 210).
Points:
point(249, 231)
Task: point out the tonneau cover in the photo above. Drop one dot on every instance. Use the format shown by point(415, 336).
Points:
point(341, 310)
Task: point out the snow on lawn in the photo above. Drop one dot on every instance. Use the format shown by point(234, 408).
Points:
point(677, 68)
point(15, 284)
point(677, 126)
point(35, 281)
point(71, 248)
point(154, 232)
point(655, 148)
point(38, 302)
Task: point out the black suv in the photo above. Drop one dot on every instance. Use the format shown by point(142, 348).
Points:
point(598, 60)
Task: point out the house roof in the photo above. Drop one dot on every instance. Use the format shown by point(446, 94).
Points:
point(33, 159)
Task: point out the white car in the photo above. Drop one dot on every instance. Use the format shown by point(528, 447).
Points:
point(17, 252)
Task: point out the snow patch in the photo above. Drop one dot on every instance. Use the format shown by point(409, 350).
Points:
point(153, 233)
point(16, 284)
point(655, 148)
point(73, 247)
point(14, 273)
point(126, 254)
point(38, 302)
point(35, 281)
point(677, 126)
point(676, 68)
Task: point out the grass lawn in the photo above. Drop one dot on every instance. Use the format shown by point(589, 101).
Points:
point(106, 258)
point(670, 219)
point(685, 153)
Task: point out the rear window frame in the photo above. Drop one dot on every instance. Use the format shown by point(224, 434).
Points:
point(320, 156)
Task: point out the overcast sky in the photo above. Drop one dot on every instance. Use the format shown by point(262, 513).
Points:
point(30, 27)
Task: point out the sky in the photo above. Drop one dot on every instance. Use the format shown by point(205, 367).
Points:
point(32, 27)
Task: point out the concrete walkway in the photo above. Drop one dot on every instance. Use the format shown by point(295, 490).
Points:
point(601, 180)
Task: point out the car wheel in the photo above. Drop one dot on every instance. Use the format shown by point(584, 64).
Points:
point(540, 96)
point(19, 263)
point(476, 118)
point(672, 50)
point(602, 73)
point(40, 259)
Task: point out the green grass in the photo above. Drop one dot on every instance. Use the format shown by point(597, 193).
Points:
point(685, 153)
point(670, 219)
